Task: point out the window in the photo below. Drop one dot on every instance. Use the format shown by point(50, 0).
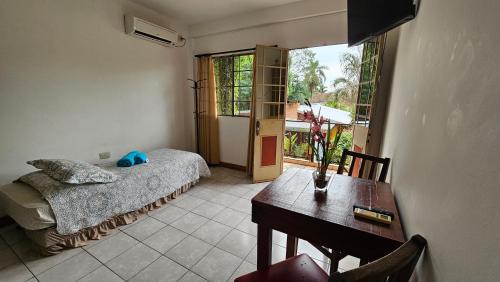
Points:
point(233, 81)
point(368, 81)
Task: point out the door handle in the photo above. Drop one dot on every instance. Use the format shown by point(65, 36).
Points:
point(257, 128)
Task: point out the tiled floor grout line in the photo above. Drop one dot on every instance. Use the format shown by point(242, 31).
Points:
point(51, 266)
point(118, 253)
point(102, 264)
point(210, 199)
point(139, 242)
point(242, 262)
point(194, 264)
point(146, 266)
point(18, 257)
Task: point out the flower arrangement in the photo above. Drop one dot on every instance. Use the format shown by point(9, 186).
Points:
point(327, 143)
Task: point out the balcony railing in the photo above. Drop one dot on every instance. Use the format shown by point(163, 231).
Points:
point(297, 140)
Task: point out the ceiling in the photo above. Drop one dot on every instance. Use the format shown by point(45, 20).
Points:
point(198, 11)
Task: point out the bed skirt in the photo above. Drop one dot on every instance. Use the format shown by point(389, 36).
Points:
point(48, 242)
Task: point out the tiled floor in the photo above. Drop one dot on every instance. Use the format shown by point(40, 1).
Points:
point(205, 234)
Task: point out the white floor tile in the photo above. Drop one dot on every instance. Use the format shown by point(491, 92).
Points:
point(165, 239)
point(237, 190)
point(307, 248)
point(230, 217)
point(192, 277)
point(71, 269)
point(15, 272)
point(37, 263)
point(208, 209)
point(189, 251)
point(224, 199)
point(169, 214)
point(212, 232)
point(348, 263)
point(189, 222)
point(244, 268)
point(238, 243)
point(101, 274)
point(278, 254)
point(12, 234)
point(205, 193)
point(217, 265)
point(163, 269)
point(279, 238)
point(112, 247)
point(145, 228)
point(242, 205)
point(248, 226)
point(188, 202)
point(132, 261)
point(7, 257)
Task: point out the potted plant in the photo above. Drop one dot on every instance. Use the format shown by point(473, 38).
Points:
point(326, 144)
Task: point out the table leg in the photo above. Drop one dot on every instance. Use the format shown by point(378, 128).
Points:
point(264, 246)
point(291, 246)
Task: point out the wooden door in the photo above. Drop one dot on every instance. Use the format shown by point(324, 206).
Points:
point(270, 106)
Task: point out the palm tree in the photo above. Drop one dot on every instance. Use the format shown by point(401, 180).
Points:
point(346, 87)
point(314, 75)
point(322, 88)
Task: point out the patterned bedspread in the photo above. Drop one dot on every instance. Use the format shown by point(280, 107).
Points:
point(85, 205)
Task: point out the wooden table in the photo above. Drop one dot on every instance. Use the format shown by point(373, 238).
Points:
point(290, 204)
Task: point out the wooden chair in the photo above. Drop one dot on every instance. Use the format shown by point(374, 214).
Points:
point(333, 255)
point(364, 157)
point(397, 266)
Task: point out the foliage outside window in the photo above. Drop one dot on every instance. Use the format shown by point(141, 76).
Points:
point(367, 81)
point(305, 75)
point(233, 80)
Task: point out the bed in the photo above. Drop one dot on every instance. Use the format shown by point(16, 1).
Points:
point(57, 216)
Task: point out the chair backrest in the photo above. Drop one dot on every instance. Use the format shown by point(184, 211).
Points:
point(397, 266)
point(364, 157)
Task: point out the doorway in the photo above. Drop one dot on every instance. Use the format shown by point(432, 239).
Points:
point(328, 77)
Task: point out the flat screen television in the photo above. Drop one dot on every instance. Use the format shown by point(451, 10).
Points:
point(367, 19)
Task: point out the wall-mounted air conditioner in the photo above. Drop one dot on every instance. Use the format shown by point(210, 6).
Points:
point(150, 31)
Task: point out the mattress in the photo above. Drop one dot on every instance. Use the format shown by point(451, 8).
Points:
point(26, 206)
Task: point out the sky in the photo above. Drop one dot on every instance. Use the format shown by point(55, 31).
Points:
point(330, 57)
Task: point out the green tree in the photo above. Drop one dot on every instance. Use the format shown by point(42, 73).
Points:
point(314, 76)
point(297, 91)
point(305, 75)
point(345, 88)
point(322, 88)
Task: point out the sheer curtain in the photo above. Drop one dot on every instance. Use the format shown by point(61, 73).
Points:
point(208, 124)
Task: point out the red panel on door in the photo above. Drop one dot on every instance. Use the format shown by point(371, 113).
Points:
point(357, 163)
point(268, 151)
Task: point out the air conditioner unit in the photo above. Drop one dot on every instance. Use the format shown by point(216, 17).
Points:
point(150, 31)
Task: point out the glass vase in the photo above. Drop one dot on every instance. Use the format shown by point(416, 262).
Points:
point(321, 181)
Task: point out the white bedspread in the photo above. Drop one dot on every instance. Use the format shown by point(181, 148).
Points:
point(85, 205)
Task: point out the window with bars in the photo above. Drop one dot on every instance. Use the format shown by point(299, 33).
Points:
point(367, 81)
point(233, 81)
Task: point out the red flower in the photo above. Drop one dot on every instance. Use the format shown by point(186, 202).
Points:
point(308, 115)
point(316, 128)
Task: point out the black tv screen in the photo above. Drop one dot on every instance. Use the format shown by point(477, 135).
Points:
point(367, 19)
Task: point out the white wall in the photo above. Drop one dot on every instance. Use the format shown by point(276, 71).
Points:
point(73, 84)
point(443, 135)
point(233, 136)
point(297, 25)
